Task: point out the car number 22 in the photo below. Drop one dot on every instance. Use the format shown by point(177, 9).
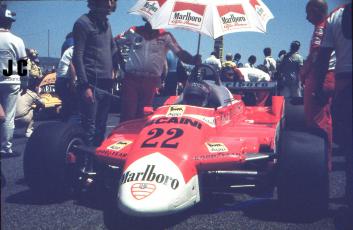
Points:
point(173, 134)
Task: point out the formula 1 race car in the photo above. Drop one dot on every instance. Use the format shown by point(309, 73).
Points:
point(207, 139)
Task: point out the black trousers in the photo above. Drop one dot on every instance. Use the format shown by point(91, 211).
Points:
point(68, 98)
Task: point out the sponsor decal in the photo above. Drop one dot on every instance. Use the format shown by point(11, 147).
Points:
point(261, 85)
point(152, 6)
point(142, 190)
point(215, 156)
point(259, 9)
point(174, 120)
point(176, 111)
point(119, 145)
point(112, 153)
point(232, 17)
point(216, 147)
point(148, 175)
point(188, 15)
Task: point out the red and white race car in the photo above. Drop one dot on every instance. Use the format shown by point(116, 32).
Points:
point(206, 139)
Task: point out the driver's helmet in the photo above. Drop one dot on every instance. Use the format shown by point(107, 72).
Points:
point(196, 93)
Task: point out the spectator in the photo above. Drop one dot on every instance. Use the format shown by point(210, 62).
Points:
point(338, 37)
point(290, 66)
point(35, 71)
point(144, 67)
point(229, 61)
point(214, 61)
point(12, 48)
point(172, 77)
point(26, 103)
point(65, 86)
point(269, 62)
point(93, 58)
point(251, 62)
point(69, 41)
point(317, 115)
point(237, 58)
point(280, 55)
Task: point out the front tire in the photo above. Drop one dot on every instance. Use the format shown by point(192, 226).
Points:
point(47, 167)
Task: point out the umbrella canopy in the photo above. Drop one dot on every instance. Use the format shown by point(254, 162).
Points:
point(213, 18)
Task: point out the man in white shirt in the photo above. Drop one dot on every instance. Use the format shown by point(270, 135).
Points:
point(251, 62)
point(12, 49)
point(338, 37)
point(65, 86)
point(214, 61)
point(270, 62)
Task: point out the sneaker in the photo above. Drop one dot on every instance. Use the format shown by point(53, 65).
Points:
point(9, 155)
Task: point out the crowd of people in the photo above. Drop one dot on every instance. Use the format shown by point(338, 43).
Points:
point(92, 59)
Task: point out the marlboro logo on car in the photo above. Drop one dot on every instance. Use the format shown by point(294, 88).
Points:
point(232, 17)
point(152, 6)
point(216, 147)
point(187, 15)
point(119, 145)
point(149, 175)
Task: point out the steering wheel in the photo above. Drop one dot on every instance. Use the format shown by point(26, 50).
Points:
point(205, 72)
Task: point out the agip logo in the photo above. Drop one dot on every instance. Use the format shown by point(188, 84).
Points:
point(232, 17)
point(119, 145)
point(152, 6)
point(189, 15)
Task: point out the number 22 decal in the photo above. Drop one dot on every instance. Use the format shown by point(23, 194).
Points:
point(175, 133)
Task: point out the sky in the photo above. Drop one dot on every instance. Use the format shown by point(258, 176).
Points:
point(35, 18)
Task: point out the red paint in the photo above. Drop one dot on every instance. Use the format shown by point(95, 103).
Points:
point(197, 8)
point(223, 10)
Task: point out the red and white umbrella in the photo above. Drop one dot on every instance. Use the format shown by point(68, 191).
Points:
point(213, 18)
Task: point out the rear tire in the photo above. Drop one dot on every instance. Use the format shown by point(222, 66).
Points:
point(303, 185)
point(46, 168)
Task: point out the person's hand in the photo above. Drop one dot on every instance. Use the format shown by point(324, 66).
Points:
point(198, 59)
point(88, 95)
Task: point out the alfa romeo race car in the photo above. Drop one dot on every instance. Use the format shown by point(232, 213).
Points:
point(168, 161)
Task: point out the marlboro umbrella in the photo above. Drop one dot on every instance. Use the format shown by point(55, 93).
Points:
point(213, 18)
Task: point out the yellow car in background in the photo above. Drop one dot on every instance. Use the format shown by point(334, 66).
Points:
point(47, 93)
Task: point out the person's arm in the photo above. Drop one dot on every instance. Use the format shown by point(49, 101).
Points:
point(321, 65)
point(22, 59)
point(73, 77)
point(183, 55)
point(80, 38)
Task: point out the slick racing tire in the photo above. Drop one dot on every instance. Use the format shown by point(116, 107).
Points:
point(46, 165)
point(303, 184)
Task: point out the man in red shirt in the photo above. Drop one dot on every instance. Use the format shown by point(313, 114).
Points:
point(318, 115)
point(144, 67)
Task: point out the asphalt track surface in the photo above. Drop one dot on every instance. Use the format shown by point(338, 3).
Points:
point(21, 209)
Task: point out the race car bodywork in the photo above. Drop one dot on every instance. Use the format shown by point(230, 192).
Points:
point(166, 161)
point(163, 155)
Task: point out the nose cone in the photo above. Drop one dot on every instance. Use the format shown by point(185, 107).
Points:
point(155, 186)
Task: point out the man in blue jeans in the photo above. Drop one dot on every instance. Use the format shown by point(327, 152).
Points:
point(95, 58)
point(11, 48)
